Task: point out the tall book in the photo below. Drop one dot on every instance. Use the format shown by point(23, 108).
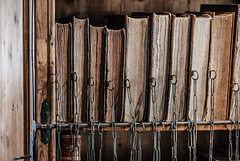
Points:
point(180, 36)
point(114, 72)
point(63, 56)
point(79, 66)
point(97, 64)
point(136, 62)
point(236, 48)
point(159, 46)
point(201, 27)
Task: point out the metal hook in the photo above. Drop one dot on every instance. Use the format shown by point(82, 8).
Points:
point(153, 82)
point(100, 129)
point(235, 87)
point(143, 129)
point(127, 83)
point(197, 75)
point(173, 79)
point(210, 74)
point(110, 85)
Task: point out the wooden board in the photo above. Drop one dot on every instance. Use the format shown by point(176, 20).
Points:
point(97, 64)
point(221, 61)
point(199, 61)
point(63, 55)
point(179, 65)
point(11, 80)
point(114, 71)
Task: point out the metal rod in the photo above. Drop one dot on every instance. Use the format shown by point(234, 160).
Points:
point(85, 125)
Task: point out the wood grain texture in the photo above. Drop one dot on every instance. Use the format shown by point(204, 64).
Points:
point(63, 40)
point(11, 80)
point(221, 61)
point(114, 71)
point(199, 61)
point(97, 65)
point(80, 63)
point(136, 66)
point(159, 63)
point(179, 64)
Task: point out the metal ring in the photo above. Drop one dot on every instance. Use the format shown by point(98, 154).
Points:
point(210, 74)
point(91, 81)
point(235, 89)
point(153, 82)
point(112, 85)
point(87, 133)
point(143, 129)
point(173, 79)
point(193, 73)
point(100, 129)
point(127, 83)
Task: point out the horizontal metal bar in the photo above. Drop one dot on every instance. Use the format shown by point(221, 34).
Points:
point(87, 125)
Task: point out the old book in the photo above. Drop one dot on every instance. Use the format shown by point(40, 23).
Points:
point(63, 55)
point(159, 46)
point(79, 66)
point(136, 62)
point(201, 26)
point(220, 60)
point(96, 60)
point(114, 71)
point(236, 48)
point(180, 37)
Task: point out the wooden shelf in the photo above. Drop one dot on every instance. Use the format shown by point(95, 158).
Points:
point(163, 126)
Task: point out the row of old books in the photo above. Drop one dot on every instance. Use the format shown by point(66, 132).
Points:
point(144, 46)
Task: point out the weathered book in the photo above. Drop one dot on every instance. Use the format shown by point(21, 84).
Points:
point(63, 55)
point(96, 60)
point(136, 62)
point(180, 37)
point(236, 47)
point(220, 60)
point(159, 61)
point(114, 72)
point(79, 66)
point(201, 26)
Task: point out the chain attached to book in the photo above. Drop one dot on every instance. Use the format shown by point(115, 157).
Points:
point(230, 149)
point(173, 79)
point(114, 132)
point(139, 153)
point(194, 123)
point(58, 118)
point(133, 137)
point(236, 123)
point(100, 132)
point(92, 150)
point(212, 76)
point(190, 141)
point(154, 124)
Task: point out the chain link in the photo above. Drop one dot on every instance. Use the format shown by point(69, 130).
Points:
point(190, 141)
point(58, 118)
point(133, 136)
point(100, 132)
point(212, 77)
point(174, 121)
point(92, 151)
point(236, 123)
point(139, 153)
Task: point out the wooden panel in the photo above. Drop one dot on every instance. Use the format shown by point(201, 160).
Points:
point(179, 65)
point(11, 79)
point(114, 71)
point(97, 70)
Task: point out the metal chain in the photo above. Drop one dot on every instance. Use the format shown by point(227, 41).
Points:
point(139, 153)
point(58, 118)
point(236, 123)
point(174, 121)
point(230, 149)
point(212, 77)
point(92, 151)
point(190, 141)
point(133, 136)
point(154, 124)
point(100, 132)
point(194, 123)
point(114, 132)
